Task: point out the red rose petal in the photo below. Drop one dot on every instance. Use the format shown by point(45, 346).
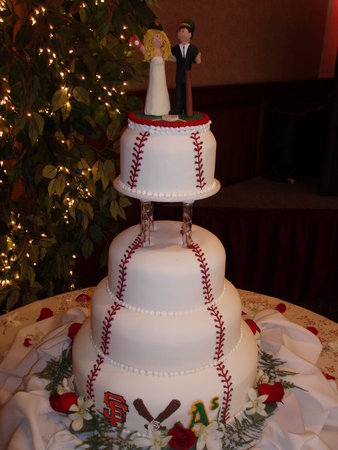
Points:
point(27, 342)
point(253, 326)
point(83, 298)
point(73, 329)
point(313, 330)
point(243, 313)
point(44, 314)
point(281, 307)
point(328, 376)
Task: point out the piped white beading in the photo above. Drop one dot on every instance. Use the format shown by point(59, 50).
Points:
point(167, 195)
point(161, 313)
point(166, 373)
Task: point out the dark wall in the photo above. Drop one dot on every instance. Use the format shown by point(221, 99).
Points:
point(250, 41)
point(244, 117)
point(329, 170)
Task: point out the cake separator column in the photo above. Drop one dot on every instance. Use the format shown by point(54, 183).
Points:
point(147, 222)
point(187, 224)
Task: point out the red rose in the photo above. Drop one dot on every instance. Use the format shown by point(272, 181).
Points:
point(313, 330)
point(182, 438)
point(275, 392)
point(281, 307)
point(73, 329)
point(63, 402)
point(253, 326)
point(44, 314)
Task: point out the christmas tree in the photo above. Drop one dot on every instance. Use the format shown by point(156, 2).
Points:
point(65, 67)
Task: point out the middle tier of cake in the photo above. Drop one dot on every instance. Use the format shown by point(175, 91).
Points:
point(168, 297)
point(166, 277)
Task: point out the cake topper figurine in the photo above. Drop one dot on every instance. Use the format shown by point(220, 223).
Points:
point(184, 54)
point(156, 50)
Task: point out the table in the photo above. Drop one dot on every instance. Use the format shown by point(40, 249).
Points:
point(12, 322)
point(307, 419)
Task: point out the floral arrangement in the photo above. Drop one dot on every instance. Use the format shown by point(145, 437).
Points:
point(95, 431)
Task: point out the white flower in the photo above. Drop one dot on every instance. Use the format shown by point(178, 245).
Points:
point(256, 404)
point(333, 346)
point(255, 307)
point(80, 413)
point(65, 386)
point(11, 320)
point(209, 437)
point(261, 377)
point(154, 440)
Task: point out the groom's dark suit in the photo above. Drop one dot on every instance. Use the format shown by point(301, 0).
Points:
point(182, 64)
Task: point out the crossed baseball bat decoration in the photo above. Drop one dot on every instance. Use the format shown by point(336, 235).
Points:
point(167, 412)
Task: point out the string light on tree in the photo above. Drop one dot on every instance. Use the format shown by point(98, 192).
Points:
point(36, 131)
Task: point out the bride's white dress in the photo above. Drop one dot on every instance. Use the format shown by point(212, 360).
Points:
point(157, 100)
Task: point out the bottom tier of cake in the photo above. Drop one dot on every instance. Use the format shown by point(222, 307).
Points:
point(190, 398)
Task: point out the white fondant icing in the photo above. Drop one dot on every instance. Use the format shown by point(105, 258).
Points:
point(158, 313)
point(163, 335)
point(165, 276)
point(157, 391)
point(159, 373)
point(167, 163)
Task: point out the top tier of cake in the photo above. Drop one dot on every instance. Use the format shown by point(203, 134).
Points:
point(167, 161)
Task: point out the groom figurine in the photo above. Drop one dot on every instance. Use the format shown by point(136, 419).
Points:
point(184, 54)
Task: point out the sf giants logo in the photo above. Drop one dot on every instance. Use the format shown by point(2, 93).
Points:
point(117, 408)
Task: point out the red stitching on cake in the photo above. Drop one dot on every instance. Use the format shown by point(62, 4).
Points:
point(220, 331)
point(205, 272)
point(106, 327)
point(108, 320)
point(227, 391)
point(137, 158)
point(121, 285)
point(199, 171)
point(93, 375)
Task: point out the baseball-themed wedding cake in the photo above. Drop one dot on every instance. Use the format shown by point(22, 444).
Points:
point(165, 340)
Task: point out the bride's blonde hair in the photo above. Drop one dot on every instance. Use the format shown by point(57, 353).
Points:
point(148, 42)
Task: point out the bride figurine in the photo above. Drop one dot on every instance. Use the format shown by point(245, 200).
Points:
point(156, 50)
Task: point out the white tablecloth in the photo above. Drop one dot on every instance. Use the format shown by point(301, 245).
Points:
point(307, 419)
